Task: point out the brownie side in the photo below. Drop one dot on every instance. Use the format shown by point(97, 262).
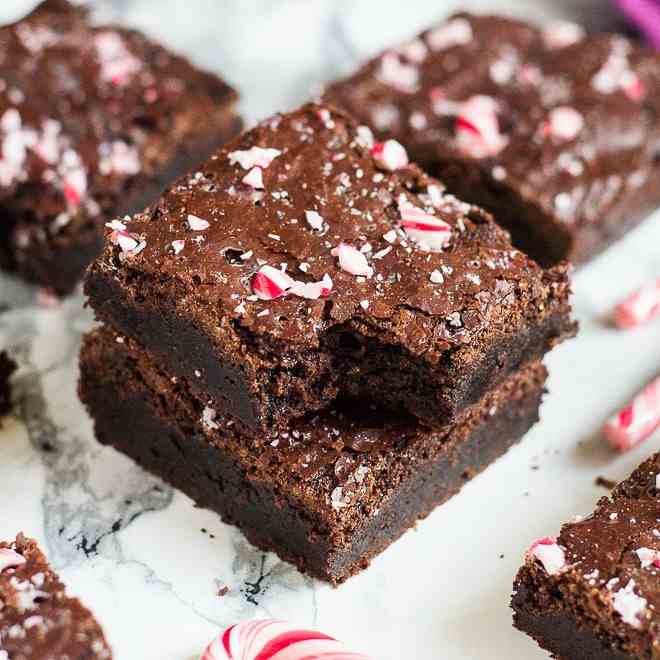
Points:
point(37, 619)
point(564, 192)
point(327, 495)
point(99, 119)
point(603, 601)
point(7, 368)
point(447, 324)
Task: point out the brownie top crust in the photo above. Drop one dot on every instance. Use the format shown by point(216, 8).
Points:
point(37, 618)
point(565, 119)
point(610, 571)
point(296, 227)
point(87, 112)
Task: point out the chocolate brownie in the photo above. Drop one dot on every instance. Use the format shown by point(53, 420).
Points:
point(330, 276)
point(94, 121)
point(7, 368)
point(555, 132)
point(594, 591)
point(329, 493)
point(38, 621)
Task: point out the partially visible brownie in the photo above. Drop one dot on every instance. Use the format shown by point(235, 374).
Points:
point(94, 122)
point(38, 621)
point(7, 368)
point(555, 132)
point(293, 267)
point(329, 493)
point(594, 592)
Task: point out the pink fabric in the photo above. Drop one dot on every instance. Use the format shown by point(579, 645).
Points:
point(645, 14)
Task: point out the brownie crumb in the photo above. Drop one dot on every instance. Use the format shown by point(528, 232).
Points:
point(604, 482)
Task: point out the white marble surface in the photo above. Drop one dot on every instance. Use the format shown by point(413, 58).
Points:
point(133, 548)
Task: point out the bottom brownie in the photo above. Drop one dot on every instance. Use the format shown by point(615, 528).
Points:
point(7, 368)
point(329, 494)
point(38, 621)
point(594, 592)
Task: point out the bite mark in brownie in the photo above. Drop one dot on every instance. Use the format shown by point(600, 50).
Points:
point(329, 493)
point(7, 368)
point(327, 279)
point(593, 592)
point(38, 621)
point(555, 132)
point(95, 120)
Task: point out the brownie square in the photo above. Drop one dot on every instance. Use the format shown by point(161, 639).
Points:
point(38, 621)
point(94, 122)
point(556, 132)
point(329, 493)
point(7, 368)
point(331, 276)
point(593, 592)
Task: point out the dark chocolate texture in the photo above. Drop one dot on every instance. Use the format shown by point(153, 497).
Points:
point(94, 122)
point(7, 368)
point(38, 621)
point(328, 494)
point(605, 601)
point(565, 190)
point(427, 331)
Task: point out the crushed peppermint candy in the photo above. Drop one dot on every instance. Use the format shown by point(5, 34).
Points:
point(117, 157)
point(562, 33)
point(389, 155)
point(10, 559)
point(314, 220)
point(312, 290)
point(254, 178)
point(431, 233)
point(397, 74)
point(436, 277)
point(270, 283)
point(208, 418)
point(117, 64)
point(549, 553)
point(648, 557)
point(254, 157)
point(456, 32)
point(352, 260)
point(563, 123)
point(629, 605)
point(478, 132)
point(178, 245)
point(640, 307)
point(196, 223)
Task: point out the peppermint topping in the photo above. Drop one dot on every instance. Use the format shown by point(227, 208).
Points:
point(640, 307)
point(177, 246)
point(352, 260)
point(550, 554)
point(10, 559)
point(477, 128)
point(254, 178)
point(197, 224)
point(616, 74)
point(456, 32)
point(254, 157)
point(395, 73)
point(429, 232)
point(389, 155)
point(208, 418)
point(562, 34)
point(118, 65)
point(270, 283)
point(648, 557)
point(563, 123)
point(118, 158)
point(629, 605)
point(312, 290)
point(314, 220)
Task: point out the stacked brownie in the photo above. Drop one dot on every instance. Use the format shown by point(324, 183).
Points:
point(94, 121)
point(316, 341)
point(594, 592)
point(37, 618)
point(554, 131)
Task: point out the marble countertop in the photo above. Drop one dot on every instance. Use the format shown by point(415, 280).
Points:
point(150, 564)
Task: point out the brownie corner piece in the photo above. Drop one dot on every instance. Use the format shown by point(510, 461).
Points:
point(95, 120)
point(592, 592)
point(37, 619)
point(297, 265)
point(329, 493)
point(551, 129)
point(7, 368)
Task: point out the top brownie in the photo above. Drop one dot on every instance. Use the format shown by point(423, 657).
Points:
point(94, 120)
point(556, 132)
point(299, 263)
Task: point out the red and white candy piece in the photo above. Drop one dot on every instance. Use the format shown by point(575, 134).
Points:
point(637, 420)
point(478, 129)
point(196, 223)
point(397, 74)
point(562, 34)
point(640, 307)
point(429, 232)
point(456, 32)
point(254, 178)
point(389, 155)
point(648, 557)
point(270, 283)
point(629, 605)
point(352, 260)
point(10, 559)
point(254, 157)
point(312, 290)
point(549, 553)
point(268, 639)
point(563, 123)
